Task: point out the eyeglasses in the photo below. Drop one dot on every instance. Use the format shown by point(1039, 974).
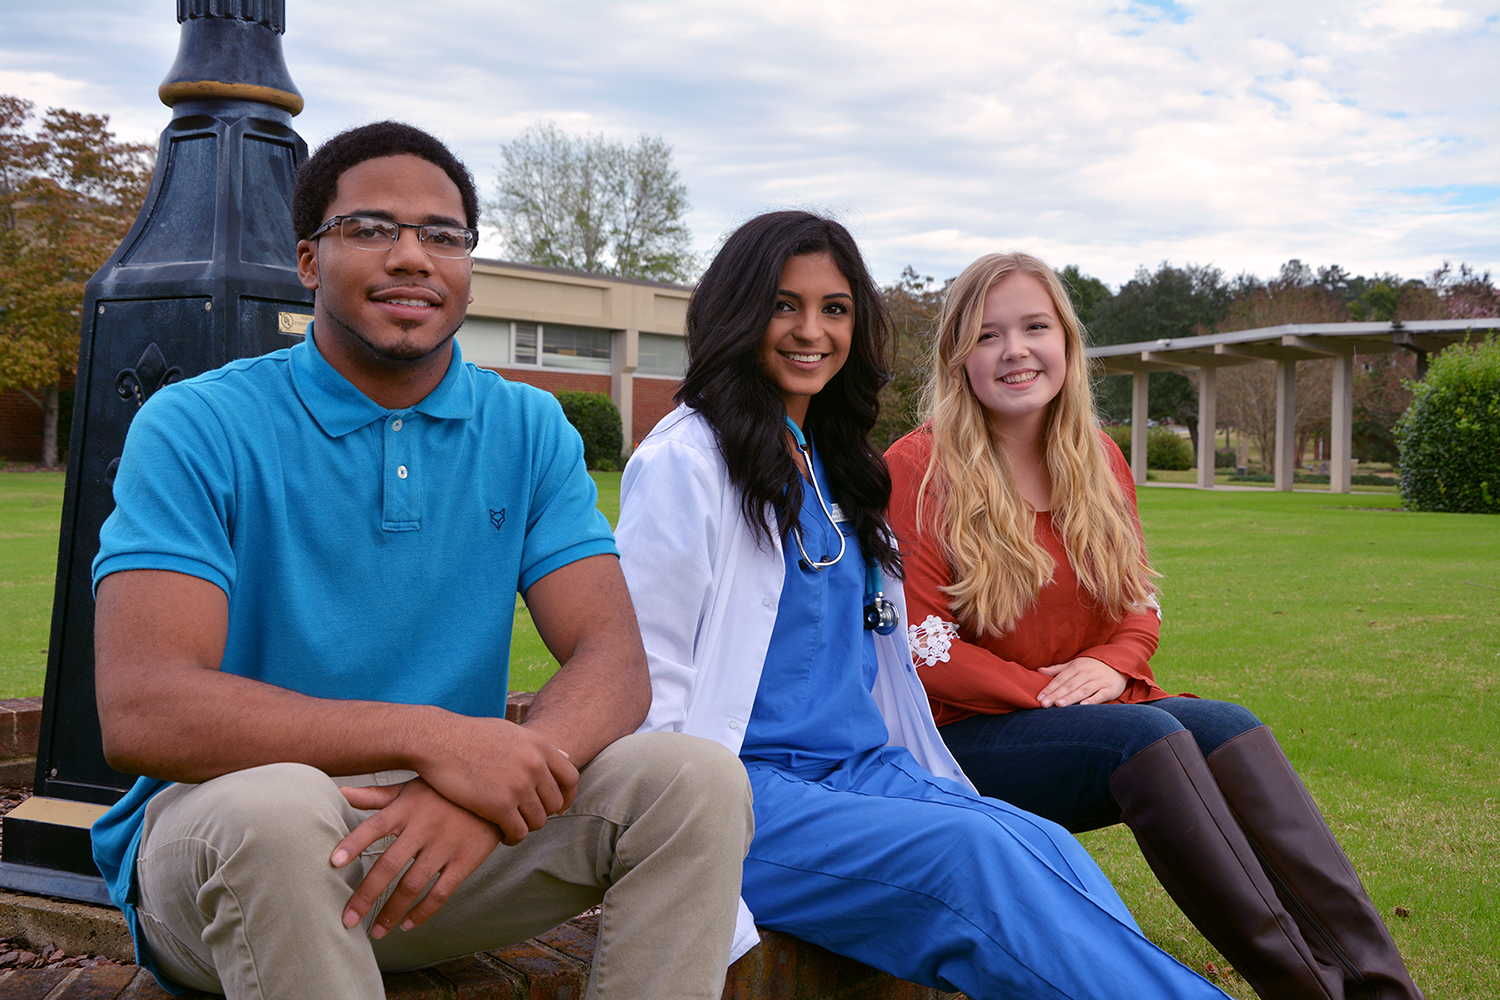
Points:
point(365, 233)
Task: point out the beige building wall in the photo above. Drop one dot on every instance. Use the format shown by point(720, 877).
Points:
point(510, 298)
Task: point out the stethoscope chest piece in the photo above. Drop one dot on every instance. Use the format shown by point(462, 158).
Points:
point(880, 614)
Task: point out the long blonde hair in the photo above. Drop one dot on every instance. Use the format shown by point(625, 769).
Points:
point(968, 497)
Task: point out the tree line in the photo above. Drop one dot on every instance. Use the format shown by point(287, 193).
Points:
point(1193, 300)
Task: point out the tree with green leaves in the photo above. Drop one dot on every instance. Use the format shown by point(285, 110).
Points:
point(69, 191)
point(597, 420)
point(1390, 297)
point(1170, 303)
point(589, 203)
point(1086, 293)
point(1450, 435)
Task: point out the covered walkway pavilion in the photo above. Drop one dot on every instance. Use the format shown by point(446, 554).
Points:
point(1284, 346)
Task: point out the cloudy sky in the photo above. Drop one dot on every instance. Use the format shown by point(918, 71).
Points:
point(1105, 133)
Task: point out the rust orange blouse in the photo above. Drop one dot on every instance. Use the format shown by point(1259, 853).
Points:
point(989, 674)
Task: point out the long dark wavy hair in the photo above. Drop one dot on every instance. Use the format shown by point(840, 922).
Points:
point(727, 318)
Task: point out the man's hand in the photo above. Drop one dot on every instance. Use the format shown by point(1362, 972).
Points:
point(500, 771)
point(1083, 680)
point(440, 840)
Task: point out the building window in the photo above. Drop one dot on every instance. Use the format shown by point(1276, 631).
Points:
point(486, 341)
point(577, 347)
point(526, 341)
point(661, 354)
point(502, 343)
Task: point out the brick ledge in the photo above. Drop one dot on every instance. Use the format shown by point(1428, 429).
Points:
point(554, 966)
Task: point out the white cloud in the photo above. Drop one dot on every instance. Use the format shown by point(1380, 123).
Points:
point(1106, 134)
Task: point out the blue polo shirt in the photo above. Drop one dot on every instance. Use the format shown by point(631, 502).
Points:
point(366, 553)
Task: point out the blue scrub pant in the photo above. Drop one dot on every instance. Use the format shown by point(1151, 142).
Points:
point(919, 877)
point(1057, 762)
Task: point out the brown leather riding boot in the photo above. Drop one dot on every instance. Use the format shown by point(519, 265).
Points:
point(1172, 804)
point(1313, 877)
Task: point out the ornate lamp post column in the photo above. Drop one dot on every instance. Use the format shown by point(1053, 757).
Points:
point(207, 274)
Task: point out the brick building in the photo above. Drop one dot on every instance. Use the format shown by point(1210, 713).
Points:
point(566, 330)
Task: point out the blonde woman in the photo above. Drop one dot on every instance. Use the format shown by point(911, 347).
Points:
point(1035, 619)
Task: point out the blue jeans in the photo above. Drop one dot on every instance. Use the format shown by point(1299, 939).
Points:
point(1056, 762)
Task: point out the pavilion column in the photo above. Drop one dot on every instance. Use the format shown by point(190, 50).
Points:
point(1286, 424)
point(1341, 424)
point(1208, 400)
point(1139, 394)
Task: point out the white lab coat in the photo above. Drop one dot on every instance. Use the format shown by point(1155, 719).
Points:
point(706, 594)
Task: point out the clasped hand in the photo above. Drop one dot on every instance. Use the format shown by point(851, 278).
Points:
point(495, 783)
point(1082, 680)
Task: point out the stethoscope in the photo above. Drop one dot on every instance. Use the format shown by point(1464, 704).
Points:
point(880, 611)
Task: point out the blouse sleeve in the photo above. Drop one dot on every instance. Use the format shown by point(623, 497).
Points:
point(962, 673)
point(962, 678)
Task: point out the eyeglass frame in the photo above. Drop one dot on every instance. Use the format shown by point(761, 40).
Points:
point(338, 221)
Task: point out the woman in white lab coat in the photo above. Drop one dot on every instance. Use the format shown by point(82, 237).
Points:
point(752, 536)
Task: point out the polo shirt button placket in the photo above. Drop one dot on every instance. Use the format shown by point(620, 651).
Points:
point(402, 503)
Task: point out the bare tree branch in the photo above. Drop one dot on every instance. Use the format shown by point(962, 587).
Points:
point(589, 203)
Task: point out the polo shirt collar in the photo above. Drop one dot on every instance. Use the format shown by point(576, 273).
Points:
point(340, 408)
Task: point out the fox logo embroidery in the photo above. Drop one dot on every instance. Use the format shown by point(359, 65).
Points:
point(497, 518)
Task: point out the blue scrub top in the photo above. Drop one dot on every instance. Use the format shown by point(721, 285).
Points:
point(813, 707)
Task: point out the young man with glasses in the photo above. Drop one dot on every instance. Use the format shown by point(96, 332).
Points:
point(311, 572)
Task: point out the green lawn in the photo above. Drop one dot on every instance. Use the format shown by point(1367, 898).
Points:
point(530, 663)
point(1366, 636)
point(30, 512)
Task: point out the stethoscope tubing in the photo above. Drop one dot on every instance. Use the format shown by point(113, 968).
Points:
point(880, 612)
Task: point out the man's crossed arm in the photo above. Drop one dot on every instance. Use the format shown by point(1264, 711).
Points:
point(167, 711)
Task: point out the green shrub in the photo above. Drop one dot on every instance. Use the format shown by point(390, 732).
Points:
point(597, 420)
point(1164, 449)
point(1450, 434)
point(1224, 459)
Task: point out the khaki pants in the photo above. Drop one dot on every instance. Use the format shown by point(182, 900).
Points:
point(237, 894)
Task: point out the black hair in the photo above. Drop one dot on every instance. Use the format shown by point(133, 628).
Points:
point(318, 177)
point(727, 318)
